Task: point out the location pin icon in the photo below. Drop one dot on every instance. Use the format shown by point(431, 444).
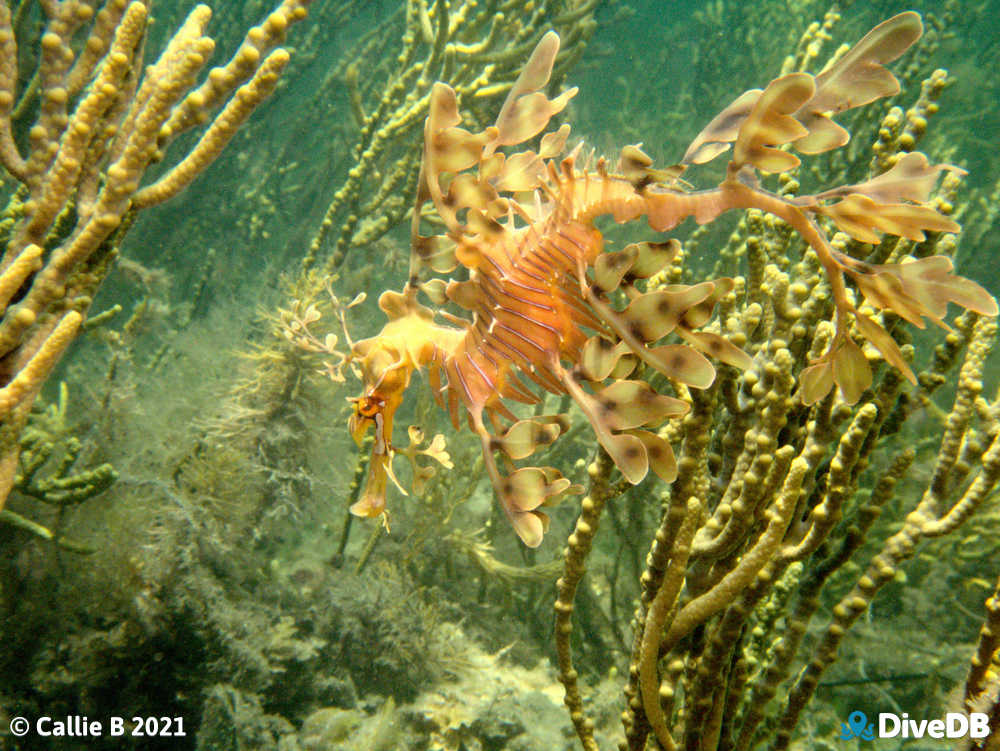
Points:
point(857, 722)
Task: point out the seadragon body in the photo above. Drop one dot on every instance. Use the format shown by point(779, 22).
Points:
point(540, 287)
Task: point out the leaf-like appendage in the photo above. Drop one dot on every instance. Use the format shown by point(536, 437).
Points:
point(436, 252)
point(698, 315)
point(527, 111)
point(466, 191)
point(522, 171)
point(455, 149)
point(862, 218)
point(521, 494)
point(525, 436)
point(631, 404)
point(885, 344)
point(448, 150)
point(929, 283)
point(770, 124)
point(845, 365)
point(599, 357)
point(524, 491)
point(655, 314)
point(628, 454)
point(718, 347)
point(553, 143)
point(611, 267)
point(464, 294)
point(653, 257)
point(851, 370)
point(883, 289)
point(660, 454)
point(824, 134)
point(685, 364)
point(714, 138)
point(912, 178)
point(634, 163)
point(816, 381)
point(857, 78)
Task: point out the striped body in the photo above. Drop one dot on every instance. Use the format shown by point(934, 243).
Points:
point(528, 313)
point(525, 292)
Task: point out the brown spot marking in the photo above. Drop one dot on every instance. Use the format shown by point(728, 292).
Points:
point(636, 330)
point(664, 306)
point(678, 361)
point(642, 183)
point(506, 487)
point(632, 452)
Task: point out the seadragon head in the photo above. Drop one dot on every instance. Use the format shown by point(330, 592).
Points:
point(410, 340)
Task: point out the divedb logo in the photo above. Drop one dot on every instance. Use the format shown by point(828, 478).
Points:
point(890, 725)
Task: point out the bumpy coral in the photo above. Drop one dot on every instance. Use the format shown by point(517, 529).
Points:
point(103, 117)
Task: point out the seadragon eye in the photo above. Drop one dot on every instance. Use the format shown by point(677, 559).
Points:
point(368, 409)
point(368, 406)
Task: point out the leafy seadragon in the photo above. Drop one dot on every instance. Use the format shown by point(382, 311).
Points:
point(539, 285)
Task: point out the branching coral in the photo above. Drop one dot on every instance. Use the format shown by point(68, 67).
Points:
point(79, 138)
point(49, 454)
